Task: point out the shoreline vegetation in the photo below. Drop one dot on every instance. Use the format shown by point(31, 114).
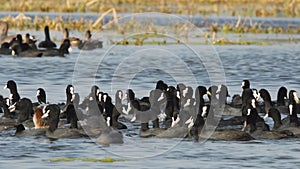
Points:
point(256, 8)
point(243, 10)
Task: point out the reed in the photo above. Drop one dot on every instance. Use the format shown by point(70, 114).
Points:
point(246, 25)
point(258, 8)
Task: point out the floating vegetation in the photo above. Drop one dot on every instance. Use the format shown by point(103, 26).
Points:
point(245, 25)
point(164, 42)
point(104, 160)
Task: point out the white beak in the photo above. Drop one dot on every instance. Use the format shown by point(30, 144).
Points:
point(291, 109)
point(266, 116)
point(108, 121)
point(37, 93)
point(12, 108)
point(249, 112)
point(13, 53)
point(46, 114)
point(133, 118)
point(69, 49)
point(73, 97)
point(204, 109)
point(161, 97)
point(174, 122)
point(71, 90)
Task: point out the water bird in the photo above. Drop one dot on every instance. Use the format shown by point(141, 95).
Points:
point(258, 129)
point(51, 113)
point(23, 109)
point(280, 126)
point(14, 95)
point(61, 51)
point(23, 49)
point(47, 43)
point(89, 43)
point(265, 95)
point(41, 96)
point(282, 96)
point(4, 30)
point(74, 41)
point(5, 49)
point(30, 41)
point(38, 120)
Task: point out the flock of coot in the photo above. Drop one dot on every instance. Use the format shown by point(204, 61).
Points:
point(25, 46)
point(167, 112)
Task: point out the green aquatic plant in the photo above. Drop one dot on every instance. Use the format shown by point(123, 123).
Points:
point(103, 160)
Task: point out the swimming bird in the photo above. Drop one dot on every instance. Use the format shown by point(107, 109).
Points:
point(254, 121)
point(144, 115)
point(51, 113)
point(223, 93)
point(265, 95)
point(108, 135)
point(231, 114)
point(204, 131)
point(8, 120)
point(140, 104)
point(23, 109)
point(161, 85)
point(71, 113)
point(74, 41)
point(69, 93)
point(19, 46)
point(4, 30)
point(47, 43)
point(5, 49)
point(294, 108)
point(97, 127)
point(172, 105)
point(118, 101)
point(278, 124)
point(90, 44)
point(23, 49)
point(41, 96)
point(107, 107)
point(70, 109)
point(14, 95)
point(187, 99)
point(90, 103)
point(4, 104)
point(259, 129)
point(247, 95)
point(63, 49)
point(281, 96)
point(38, 120)
point(117, 108)
point(30, 41)
point(199, 94)
point(199, 122)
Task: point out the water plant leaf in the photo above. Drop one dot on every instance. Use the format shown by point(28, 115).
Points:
point(103, 160)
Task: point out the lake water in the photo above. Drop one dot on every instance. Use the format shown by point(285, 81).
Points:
point(139, 67)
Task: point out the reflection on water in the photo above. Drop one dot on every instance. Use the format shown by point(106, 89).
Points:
point(265, 66)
